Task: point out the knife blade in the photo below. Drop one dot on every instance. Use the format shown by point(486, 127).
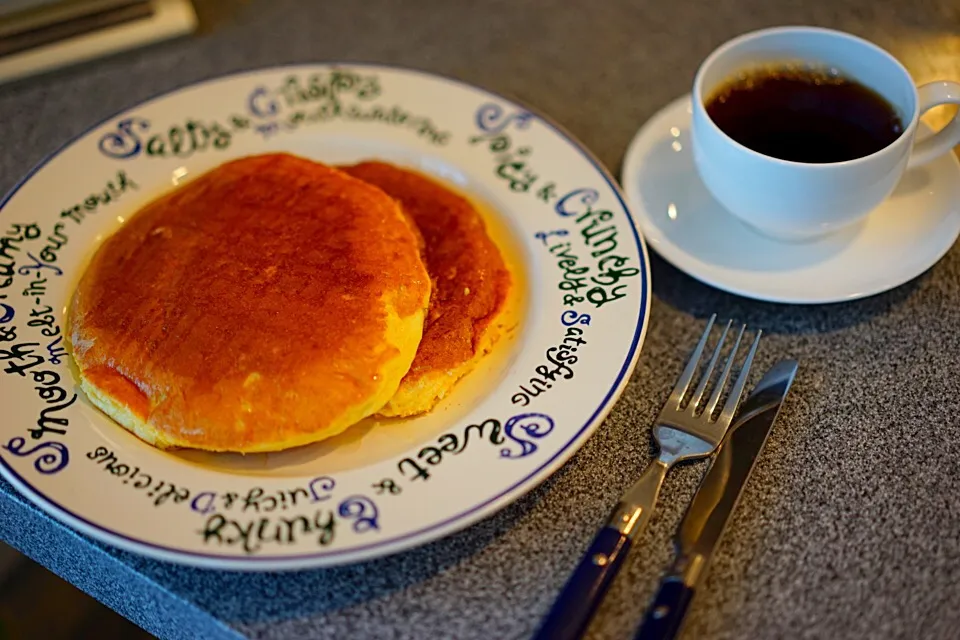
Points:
point(716, 499)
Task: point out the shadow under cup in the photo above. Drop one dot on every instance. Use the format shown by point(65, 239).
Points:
point(794, 200)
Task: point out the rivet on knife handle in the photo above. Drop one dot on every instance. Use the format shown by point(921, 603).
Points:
point(666, 612)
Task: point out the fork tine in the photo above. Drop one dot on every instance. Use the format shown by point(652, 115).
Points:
point(705, 379)
point(722, 380)
point(730, 408)
point(676, 396)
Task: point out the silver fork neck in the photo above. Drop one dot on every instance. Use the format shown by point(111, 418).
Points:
point(676, 445)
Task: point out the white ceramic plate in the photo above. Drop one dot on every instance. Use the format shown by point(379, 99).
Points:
point(898, 241)
point(582, 289)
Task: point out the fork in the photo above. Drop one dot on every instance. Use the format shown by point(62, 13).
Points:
point(682, 431)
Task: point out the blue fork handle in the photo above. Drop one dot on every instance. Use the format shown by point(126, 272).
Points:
point(573, 609)
point(665, 614)
point(581, 596)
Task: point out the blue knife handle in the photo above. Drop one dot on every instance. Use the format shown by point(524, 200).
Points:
point(573, 609)
point(666, 612)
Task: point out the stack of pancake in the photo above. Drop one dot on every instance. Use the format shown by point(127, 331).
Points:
point(276, 301)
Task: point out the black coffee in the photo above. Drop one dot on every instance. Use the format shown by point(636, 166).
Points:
point(804, 115)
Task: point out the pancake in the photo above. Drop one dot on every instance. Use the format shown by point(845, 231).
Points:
point(470, 284)
point(269, 303)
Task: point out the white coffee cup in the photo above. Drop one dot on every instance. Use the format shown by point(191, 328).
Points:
point(797, 200)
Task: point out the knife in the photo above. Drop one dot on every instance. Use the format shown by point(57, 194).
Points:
point(715, 500)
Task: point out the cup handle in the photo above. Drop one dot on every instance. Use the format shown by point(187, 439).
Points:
point(931, 95)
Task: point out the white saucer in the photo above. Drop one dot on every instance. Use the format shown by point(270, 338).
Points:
point(681, 221)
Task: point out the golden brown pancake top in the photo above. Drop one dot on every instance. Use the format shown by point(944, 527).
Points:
point(269, 264)
point(470, 279)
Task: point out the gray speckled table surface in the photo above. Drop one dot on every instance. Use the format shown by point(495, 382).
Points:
point(850, 525)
